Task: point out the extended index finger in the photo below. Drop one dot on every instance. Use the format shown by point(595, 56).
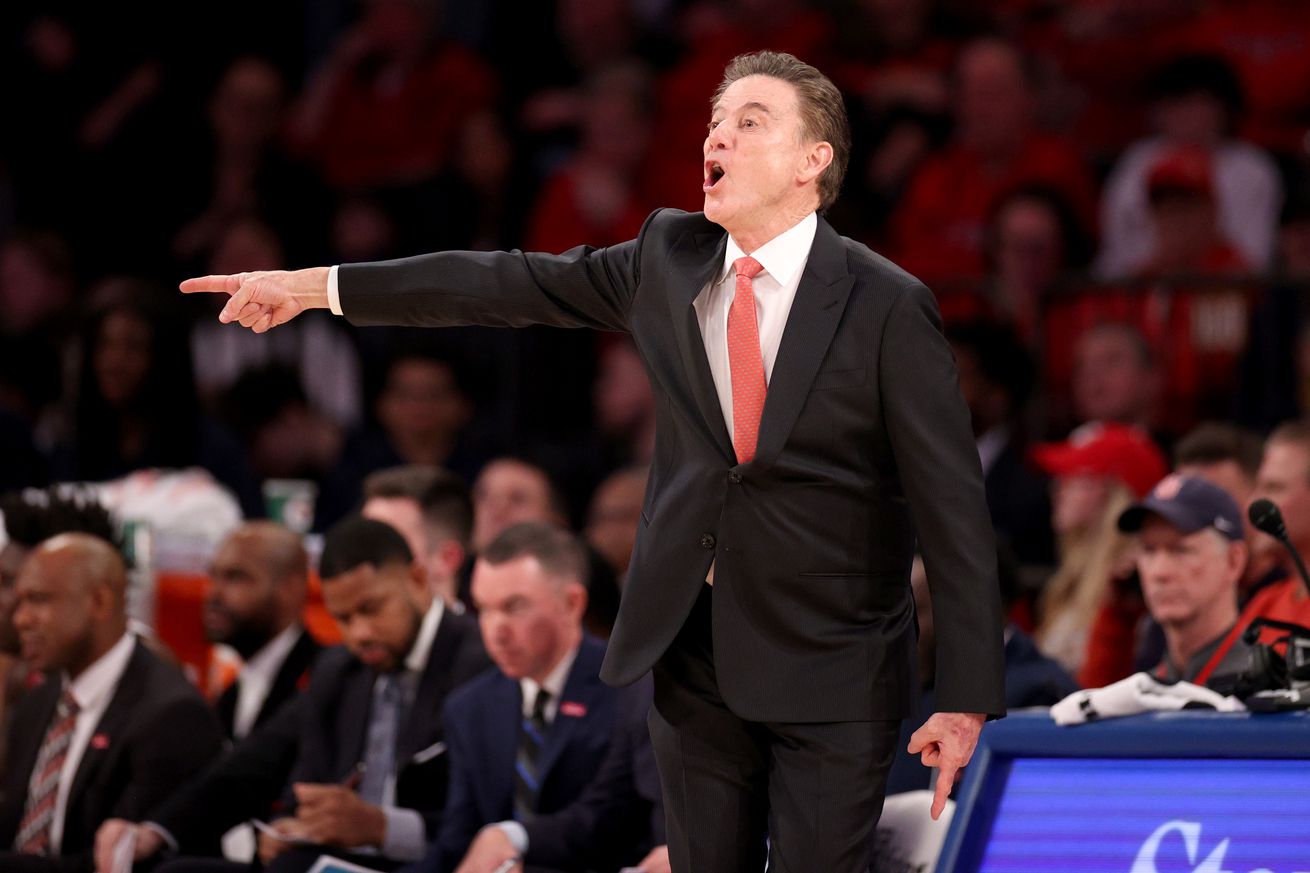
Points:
point(211, 284)
point(942, 792)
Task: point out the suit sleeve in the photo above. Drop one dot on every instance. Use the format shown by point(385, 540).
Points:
point(584, 287)
point(459, 819)
point(937, 460)
point(242, 784)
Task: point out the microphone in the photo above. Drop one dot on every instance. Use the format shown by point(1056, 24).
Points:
point(1267, 518)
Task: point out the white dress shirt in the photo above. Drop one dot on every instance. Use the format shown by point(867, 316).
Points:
point(406, 838)
point(257, 677)
point(554, 683)
point(783, 259)
point(92, 689)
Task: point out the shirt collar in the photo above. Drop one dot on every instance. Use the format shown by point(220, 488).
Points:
point(268, 660)
point(781, 257)
point(94, 684)
point(554, 682)
point(417, 659)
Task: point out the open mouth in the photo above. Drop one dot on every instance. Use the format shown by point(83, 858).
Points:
point(713, 174)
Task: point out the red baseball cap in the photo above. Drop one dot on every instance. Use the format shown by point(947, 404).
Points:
point(1103, 448)
point(1185, 169)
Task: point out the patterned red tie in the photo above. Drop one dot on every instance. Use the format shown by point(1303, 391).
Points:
point(43, 788)
point(745, 361)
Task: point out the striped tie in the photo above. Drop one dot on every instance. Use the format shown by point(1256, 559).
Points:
point(532, 737)
point(43, 790)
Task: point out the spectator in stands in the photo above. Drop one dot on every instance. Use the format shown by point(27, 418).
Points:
point(938, 229)
point(36, 282)
point(595, 197)
point(1229, 456)
point(1183, 214)
point(422, 411)
point(28, 519)
point(1099, 471)
point(997, 378)
point(136, 401)
point(1124, 639)
point(386, 107)
point(381, 693)
point(244, 172)
point(1191, 559)
point(128, 725)
point(1284, 478)
point(511, 491)
point(433, 512)
point(1198, 102)
point(1115, 377)
point(526, 738)
point(1033, 240)
point(625, 406)
point(257, 585)
point(614, 514)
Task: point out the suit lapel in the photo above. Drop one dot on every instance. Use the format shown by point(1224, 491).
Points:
point(504, 716)
point(108, 733)
point(425, 712)
point(820, 301)
point(694, 260)
point(575, 701)
point(287, 683)
point(26, 742)
point(356, 708)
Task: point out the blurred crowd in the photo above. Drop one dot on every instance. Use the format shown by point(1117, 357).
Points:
point(1110, 198)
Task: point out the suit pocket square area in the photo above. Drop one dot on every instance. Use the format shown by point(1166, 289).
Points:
point(830, 379)
point(422, 756)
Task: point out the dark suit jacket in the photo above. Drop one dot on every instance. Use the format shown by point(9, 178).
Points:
point(864, 443)
point(619, 817)
point(158, 732)
point(335, 717)
point(290, 680)
point(482, 728)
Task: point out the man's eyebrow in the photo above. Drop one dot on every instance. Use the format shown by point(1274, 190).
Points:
point(754, 104)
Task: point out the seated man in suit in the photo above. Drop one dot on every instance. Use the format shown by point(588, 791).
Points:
point(258, 581)
point(526, 738)
point(370, 773)
point(111, 731)
point(615, 822)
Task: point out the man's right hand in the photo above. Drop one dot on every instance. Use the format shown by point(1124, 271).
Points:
point(270, 847)
point(148, 842)
point(490, 848)
point(263, 300)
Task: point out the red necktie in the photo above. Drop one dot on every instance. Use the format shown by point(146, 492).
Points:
point(745, 361)
point(33, 836)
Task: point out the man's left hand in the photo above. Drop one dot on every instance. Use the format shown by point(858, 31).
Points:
point(947, 741)
point(337, 816)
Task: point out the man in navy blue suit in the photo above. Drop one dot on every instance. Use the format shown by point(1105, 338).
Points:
point(526, 738)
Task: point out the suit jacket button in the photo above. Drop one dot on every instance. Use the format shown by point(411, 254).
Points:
point(734, 477)
point(707, 541)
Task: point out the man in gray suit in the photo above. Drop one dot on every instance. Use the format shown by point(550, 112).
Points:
point(809, 428)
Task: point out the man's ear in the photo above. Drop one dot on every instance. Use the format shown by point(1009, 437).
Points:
point(575, 599)
point(817, 159)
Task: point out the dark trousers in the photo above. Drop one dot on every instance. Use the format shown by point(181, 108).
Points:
point(806, 797)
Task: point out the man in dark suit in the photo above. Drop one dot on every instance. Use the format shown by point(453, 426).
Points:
point(111, 730)
point(370, 771)
point(258, 580)
point(617, 821)
point(777, 690)
point(527, 737)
